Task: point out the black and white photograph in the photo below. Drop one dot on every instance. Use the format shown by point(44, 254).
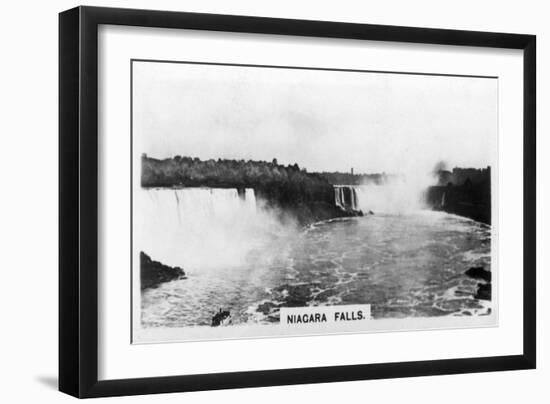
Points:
point(272, 200)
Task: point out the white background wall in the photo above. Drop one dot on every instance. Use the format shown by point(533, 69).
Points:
point(28, 206)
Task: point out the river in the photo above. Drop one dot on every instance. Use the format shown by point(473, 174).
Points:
point(404, 264)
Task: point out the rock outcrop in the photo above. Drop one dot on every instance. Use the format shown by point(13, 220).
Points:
point(483, 289)
point(153, 273)
point(479, 273)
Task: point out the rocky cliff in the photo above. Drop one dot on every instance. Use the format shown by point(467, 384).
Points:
point(153, 273)
point(465, 192)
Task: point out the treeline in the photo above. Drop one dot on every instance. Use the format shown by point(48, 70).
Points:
point(459, 176)
point(308, 196)
point(224, 173)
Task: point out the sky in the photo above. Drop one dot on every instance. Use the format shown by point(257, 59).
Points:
point(322, 120)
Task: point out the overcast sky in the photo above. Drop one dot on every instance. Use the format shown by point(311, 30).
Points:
point(322, 120)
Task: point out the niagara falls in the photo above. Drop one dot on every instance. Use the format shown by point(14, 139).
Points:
point(242, 254)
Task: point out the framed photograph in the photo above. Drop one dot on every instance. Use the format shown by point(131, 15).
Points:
point(250, 201)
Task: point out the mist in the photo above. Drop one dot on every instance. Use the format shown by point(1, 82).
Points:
point(399, 194)
point(206, 228)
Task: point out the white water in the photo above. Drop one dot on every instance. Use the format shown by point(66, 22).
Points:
point(341, 200)
point(201, 228)
point(404, 265)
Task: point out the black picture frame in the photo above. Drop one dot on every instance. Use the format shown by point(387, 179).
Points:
point(78, 201)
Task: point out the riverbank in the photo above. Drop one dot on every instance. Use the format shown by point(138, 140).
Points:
point(464, 192)
point(467, 201)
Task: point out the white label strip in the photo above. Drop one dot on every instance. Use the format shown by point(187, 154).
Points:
point(319, 315)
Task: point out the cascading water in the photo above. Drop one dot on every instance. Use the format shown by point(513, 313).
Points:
point(339, 197)
point(345, 197)
point(199, 228)
point(250, 199)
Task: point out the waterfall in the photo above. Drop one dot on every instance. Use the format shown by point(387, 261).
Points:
point(198, 227)
point(338, 197)
point(250, 199)
point(345, 197)
point(354, 204)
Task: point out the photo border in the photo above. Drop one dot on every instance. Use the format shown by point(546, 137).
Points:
point(78, 200)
